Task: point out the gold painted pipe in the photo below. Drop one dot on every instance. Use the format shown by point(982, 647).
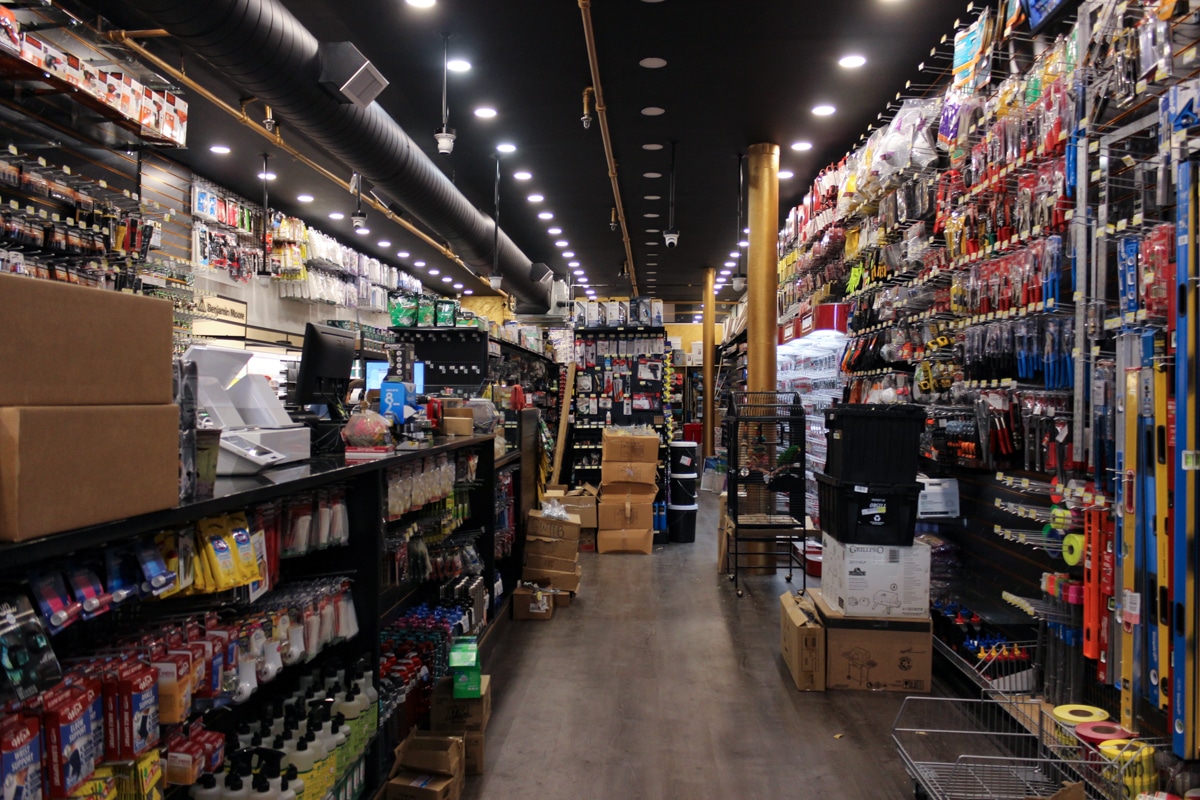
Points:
point(710, 355)
point(762, 328)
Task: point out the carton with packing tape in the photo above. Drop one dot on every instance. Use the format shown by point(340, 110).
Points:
point(625, 541)
point(534, 561)
point(563, 581)
point(626, 506)
point(552, 548)
point(627, 446)
point(802, 642)
point(644, 472)
point(580, 501)
point(540, 526)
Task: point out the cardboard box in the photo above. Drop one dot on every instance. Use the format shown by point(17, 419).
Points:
point(626, 447)
point(564, 599)
point(580, 501)
point(103, 349)
point(458, 426)
point(409, 785)
point(625, 541)
point(474, 752)
point(629, 472)
point(539, 526)
point(439, 755)
point(551, 548)
point(530, 603)
point(876, 653)
point(551, 562)
point(615, 516)
point(563, 581)
point(869, 580)
point(112, 462)
point(939, 498)
point(802, 642)
point(448, 714)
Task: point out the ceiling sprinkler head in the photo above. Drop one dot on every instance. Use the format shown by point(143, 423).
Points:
point(586, 119)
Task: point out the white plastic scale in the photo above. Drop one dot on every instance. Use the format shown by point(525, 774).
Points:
point(256, 430)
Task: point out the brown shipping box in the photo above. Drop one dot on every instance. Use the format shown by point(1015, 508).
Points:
point(890, 654)
point(563, 581)
point(645, 472)
point(625, 541)
point(102, 349)
point(551, 548)
point(452, 715)
point(802, 642)
point(409, 785)
point(529, 603)
point(619, 447)
point(581, 501)
point(112, 461)
point(622, 515)
point(539, 526)
point(426, 752)
point(552, 563)
point(475, 756)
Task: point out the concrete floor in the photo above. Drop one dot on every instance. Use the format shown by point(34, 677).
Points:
point(660, 683)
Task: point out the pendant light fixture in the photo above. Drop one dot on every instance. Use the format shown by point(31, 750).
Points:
point(445, 135)
point(670, 235)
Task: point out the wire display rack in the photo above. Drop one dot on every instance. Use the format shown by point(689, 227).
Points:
point(765, 440)
point(1005, 747)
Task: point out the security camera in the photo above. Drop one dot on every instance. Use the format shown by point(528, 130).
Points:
point(445, 140)
point(358, 219)
point(671, 238)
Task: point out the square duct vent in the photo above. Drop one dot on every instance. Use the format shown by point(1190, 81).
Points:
point(349, 75)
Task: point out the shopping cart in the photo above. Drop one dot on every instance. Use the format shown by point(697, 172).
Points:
point(986, 750)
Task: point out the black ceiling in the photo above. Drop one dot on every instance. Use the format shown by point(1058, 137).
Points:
point(736, 74)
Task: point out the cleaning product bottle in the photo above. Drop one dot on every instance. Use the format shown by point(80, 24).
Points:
point(285, 790)
point(304, 761)
point(293, 784)
point(350, 710)
point(206, 788)
point(234, 788)
point(244, 734)
point(261, 789)
point(344, 757)
point(322, 768)
point(366, 684)
point(271, 766)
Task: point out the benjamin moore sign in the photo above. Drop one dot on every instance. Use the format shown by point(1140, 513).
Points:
point(220, 316)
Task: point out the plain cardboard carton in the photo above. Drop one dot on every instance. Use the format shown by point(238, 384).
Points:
point(615, 516)
point(447, 714)
point(563, 581)
point(551, 563)
point(530, 603)
point(474, 752)
point(409, 785)
point(552, 548)
point(103, 348)
point(885, 654)
point(802, 642)
point(425, 752)
point(629, 447)
point(580, 501)
point(458, 426)
point(642, 472)
point(625, 541)
point(869, 580)
point(112, 462)
point(539, 526)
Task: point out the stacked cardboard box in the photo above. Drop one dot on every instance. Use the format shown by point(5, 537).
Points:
point(85, 403)
point(582, 502)
point(428, 767)
point(872, 580)
point(628, 486)
point(552, 556)
point(467, 718)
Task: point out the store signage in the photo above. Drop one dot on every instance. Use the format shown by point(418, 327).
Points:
point(787, 332)
point(220, 317)
point(806, 324)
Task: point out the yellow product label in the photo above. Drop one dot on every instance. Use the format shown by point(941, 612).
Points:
point(218, 552)
point(243, 549)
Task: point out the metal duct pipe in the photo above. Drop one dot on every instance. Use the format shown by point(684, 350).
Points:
point(265, 51)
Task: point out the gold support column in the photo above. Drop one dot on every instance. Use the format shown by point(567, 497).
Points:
point(762, 329)
point(710, 355)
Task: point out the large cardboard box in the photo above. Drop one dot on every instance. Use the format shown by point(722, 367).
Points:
point(802, 642)
point(474, 752)
point(110, 462)
point(408, 785)
point(447, 714)
point(551, 548)
point(869, 580)
point(539, 526)
point(63, 345)
point(552, 563)
point(886, 654)
point(529, 603)
point(563, 581)
point(625, 541)
point(644, 472)
point(580, 501)
point(426, 752)
point(624, 447)
point(621, 515)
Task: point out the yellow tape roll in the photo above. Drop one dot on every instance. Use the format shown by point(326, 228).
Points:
point(1072, 549)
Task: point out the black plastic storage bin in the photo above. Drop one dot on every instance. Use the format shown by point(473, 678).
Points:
point(681, 523)
point(683, 457)
point(868, 513)
point(683, 490)
point(874, 443)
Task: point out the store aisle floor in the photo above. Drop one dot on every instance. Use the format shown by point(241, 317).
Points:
point(660, 683)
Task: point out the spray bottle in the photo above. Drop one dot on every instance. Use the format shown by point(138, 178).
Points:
point(285, 790)
point(294, 785)
point(304, 761)
point(234, 788)
point(206, 788)
point(271, 766)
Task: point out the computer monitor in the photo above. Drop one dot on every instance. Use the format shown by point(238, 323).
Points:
point(325, 364)
point(376, 372)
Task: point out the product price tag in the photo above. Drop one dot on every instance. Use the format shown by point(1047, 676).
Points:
point(28, 209)
point(1037, 230)
point(1110, 229)
point(1121, 225)
point(1142, 315)
point(1095, 176)
point(1188, 55)
point(1049, 303)
point(12, 150)
point(66, 170)
point(14, 205)
point(1094, 146)
point(1131, 607)
point(1069, 214)
point(1130, 317)
point(41, 161)
point(1139, 87)
point(42, 213)
point(54, 217)
point(1041, 306)
point(1095, 350)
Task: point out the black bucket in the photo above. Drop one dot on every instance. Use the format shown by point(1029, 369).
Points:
point(681, 523)
point(684, 457)
point(683, 490)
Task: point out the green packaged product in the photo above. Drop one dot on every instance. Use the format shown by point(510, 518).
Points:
point(426, 312)
point(403, 307)
point(446, 310)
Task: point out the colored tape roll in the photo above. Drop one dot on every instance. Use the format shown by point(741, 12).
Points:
point(1096, 733)
point(1072, 714)
point(1072, 549)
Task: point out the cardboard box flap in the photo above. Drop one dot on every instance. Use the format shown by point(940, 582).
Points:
point(622, 492)
point(625, 541)
point(540, 526)
point(645, 472)
point(833, 618)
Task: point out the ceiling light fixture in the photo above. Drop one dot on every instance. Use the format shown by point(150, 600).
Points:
point(650, 216)
point(743, 243)
point(434, 272)
point(458, 65)
point(402, 254)
point(579, 272)
point(823, 110)
point(653, 62)
point(545, 215)
point(851, 62)
point(726, 272)
point(446, 279)
point(362, 231)
point(337, 215)
point(562, 243)
point(506, 148)
point(575, 264)
point(582, 280)
point(784, 174)
point(554, 231)
point(220, 149)
point(653, 111)
point(418, 263)
point(731, 263)
point(651, 175)
point(535, 198)
point(444, 136)
point(652, 146)
point(458, 286)
point(385, 243)
point(800, 147)
point(484, 112)
point(735, 254)
point(568, 254)
point(305, 198)
point(522, 176)
point(422, 3)
point(468, 291)
point(651, 230)
point(266, 176)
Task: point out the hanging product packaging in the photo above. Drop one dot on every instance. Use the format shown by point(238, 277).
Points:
point(426, 312)
point(446, 310)
point(218, 554)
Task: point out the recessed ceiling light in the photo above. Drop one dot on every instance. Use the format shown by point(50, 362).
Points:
point(505, 147)
point(653, 111)
point(545, 215)
point(650, 271)
point(651, 263)
point(743, 243)
point(653, 63)
point(651, 244)
point(652, 146)
point(823, 110)
point(458, 286)
point(729, 264)
point(435, 272)
point(554, 231)
point(582, 280)
point(402, 254)
point(851, 62)
point(651, 174)
point(734, 254)
point(784, 174)
point(422, 3)
point(568, 254)
point(653, 197)
point(591, 292)
point(446, 279)
point(579, 272)
point(458, 65)
point(220, 149)
point(304, 198)
point(575, 264)
point(362, 231)
point(337, 215)
point(266, 176)
point(385, 243)
point(485, 113)
point(562, 243)
point(651, 230)
point(418, 263)
point(522, 176)
point(801, 146)
point(745, 230)
point(535, 198)
point(468, 291)
point(650, 216)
